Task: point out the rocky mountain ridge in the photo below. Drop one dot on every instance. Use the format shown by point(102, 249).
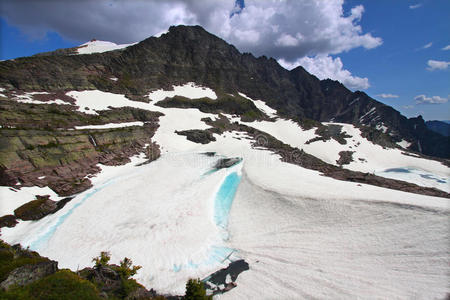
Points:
point(190, 54)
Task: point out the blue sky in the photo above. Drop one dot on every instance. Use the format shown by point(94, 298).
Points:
point(382, 47)
point(399, 66)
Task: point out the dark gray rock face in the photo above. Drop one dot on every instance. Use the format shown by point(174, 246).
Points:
point(197, 135)
point(225, 279)
point(227, 162)
point(109, 278)
point(190, 54)
point(29, 273)
point(345, 157)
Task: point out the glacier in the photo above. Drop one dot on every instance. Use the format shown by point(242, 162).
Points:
point(304, 235)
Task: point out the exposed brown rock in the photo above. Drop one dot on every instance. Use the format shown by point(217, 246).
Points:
point(62, 159)
point(36, 209)
point(8, 221)
point(197, 135)
point(345, 157)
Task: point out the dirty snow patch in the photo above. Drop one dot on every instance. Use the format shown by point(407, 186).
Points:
point(404, 144)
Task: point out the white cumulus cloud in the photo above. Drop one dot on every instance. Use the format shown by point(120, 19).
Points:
point(325, 67)
point(423, 99)
point(386, 96)
point(288, 30)
point(287, 40)
point(446, 48)
point(282, 29)
point(437, 65)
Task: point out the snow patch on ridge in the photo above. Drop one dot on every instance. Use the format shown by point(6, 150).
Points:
point(95, 46)
point(189, 90)
point(404, 144)
point(382, 127)
point(90, 101)
point(110, 125)
point(262, 106)
point(27, 97)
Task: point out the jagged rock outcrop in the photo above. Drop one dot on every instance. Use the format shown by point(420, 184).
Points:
point(38, 146)
point(197, 135)
point(227, 162)
point(345, 157)
point(37, 209)
point(8, 221)
point(224, 279)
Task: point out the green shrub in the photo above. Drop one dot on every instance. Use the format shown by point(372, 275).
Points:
point(195, 290)
point(63, 284)
point(102, 260)
point(11, 259)
point(126, 269)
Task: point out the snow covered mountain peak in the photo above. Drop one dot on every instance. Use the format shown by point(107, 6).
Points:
point(95, 46)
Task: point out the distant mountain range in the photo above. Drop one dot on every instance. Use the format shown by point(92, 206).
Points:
point(441, 127)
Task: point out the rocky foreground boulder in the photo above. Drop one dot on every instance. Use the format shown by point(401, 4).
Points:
point(36, 209)
point(27, 274)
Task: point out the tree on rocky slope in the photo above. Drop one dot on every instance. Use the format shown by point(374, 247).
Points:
point(195, 290)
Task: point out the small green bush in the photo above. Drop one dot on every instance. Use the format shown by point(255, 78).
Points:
point(11, 259)
point(195, 290)
point(102, 260)
point(126, 269)
point(63, 284)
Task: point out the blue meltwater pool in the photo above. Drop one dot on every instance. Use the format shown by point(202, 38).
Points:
point(224, 199)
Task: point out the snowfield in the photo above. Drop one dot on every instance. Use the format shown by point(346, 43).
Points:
point(309, 248)
point(368, 157)
point(304, 235)
point(168, 205)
